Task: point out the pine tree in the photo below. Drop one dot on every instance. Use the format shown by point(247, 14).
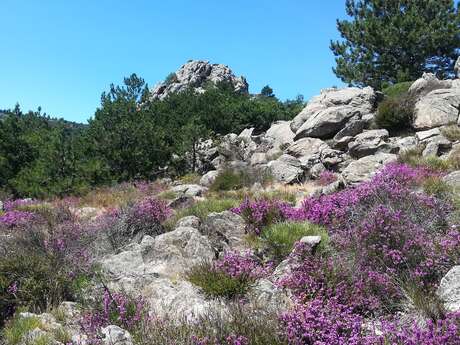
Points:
point(389, 41)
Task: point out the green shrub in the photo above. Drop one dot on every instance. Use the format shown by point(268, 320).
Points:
point(218, 284)
point(414, 158)
point(451, 132)
point(16, 328)
point(281, 237)
point(190, 178)
point(228, 180)
point(437, 187)
point(395, 113)
point(398, 89)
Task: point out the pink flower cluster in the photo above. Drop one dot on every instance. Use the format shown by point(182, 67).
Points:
point(242, 265)
point(260, 213)
point(327, 177)
point(151, 209)
point(16, 218)
point(13, 204)
point(229, 340)
point(116, 308)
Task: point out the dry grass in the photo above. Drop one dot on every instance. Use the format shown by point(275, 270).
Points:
point(451, 132)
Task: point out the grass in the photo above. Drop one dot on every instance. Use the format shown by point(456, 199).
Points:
point(451, 132)
point(435, 186)
point(230, 179)
point(190, 178)
point(167, 195)
point(18, 327)
point(414, 157)
point(218, 284)
point(280, 238)
point(202, 208)
point(398, 89)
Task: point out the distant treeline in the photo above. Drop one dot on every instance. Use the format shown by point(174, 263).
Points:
point(129, 137)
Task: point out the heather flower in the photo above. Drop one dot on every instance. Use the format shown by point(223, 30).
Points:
point(326, 177)
point(244, 264)
point(15, 218)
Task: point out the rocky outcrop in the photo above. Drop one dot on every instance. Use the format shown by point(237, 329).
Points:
point(325, 115)
point(438, 108)
point(286, 169)
point(198, 75)
point(370, 142)
point(363, 169)
point(457, 67)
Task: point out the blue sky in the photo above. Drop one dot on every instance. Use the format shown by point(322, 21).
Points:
point(61, 55)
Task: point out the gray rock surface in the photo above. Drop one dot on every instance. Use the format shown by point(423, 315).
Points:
point(449, 289)
point(114, 335)
point(364, 168)
point(453, 179)
point(457, 67)
point(189, 222)
point(437, 108)
point(325, 115)
point(286, 169)
point(209, 178)
point(370, 142)
point(225, 229)
point(427, 83)
point(189, 190)
point(198, 74)
point(280, 133)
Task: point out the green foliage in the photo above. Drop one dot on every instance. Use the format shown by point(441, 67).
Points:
point(281, 237)
point(18, 327)
point(227, 180)
point(218, 284)
point(171, 78)
point(451, 132)
point(396, 111)
point(387, 42)
point(202, 208)
point(437, 187)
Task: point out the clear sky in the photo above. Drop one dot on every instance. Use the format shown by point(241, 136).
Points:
point(62, 54)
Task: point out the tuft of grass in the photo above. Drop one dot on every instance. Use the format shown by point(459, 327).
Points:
point(190, 178)
point(16, 328)
point(414, 157)
point(281, 237)
point(227, 180)
point(202, 208)
point(218, 284)
point(167, 195)
point(451, 132)
point(435, 186)
point(61, 335)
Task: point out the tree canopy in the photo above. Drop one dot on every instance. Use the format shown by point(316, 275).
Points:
point(389, 41)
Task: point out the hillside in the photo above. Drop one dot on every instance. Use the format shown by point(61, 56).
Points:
point(339, 226)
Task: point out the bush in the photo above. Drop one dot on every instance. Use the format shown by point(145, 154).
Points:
point(395, 113)
point(398, 89)
point(228, 277)
point(18, 327)
point(227, 180)
point(281, 237)
point(451, 132)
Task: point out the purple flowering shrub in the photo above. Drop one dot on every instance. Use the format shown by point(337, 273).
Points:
point(327, 177)
point(131, 223)
point(114, 308)
point(230, 276)
point(260, 213)
point(43, 261)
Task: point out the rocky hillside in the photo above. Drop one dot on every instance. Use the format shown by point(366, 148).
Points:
point(322, 230)
point(198, 74)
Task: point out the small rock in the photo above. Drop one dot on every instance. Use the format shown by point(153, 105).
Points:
point(189, 221)
point(114, 335)
point(449, 289)
point(312, 241)
point(209, 178)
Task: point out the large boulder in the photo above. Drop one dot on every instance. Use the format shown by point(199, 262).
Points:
point(437, 108)
point(364, 168)
point(236, 148)
point(325, 115)
point(307, 147)
point(427, 83)
point(449, 289)
point(198, 74)
point(225, 229)
point(280, 133)
point(370, 142)
point(286, 169)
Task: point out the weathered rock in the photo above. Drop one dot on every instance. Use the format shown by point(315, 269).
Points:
point(226, 229)
point(423, 135)
point(325, 115)
point(114, 335)
point(437, 108)
point(189, 190)
point(235, 148)
point(312, 241)
point(280, 133)
point(427, 83)
point(259, 158)
point(370, 142)
point(198, 75)
point(307, 147)
point(404, 144)
point(453, 179)
point(364, 168)
point(449, 289)
point(286, 169)
point(189, 222)
point(436, 146)
point(352, 128)
point(209, 178)
point(267, 295)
